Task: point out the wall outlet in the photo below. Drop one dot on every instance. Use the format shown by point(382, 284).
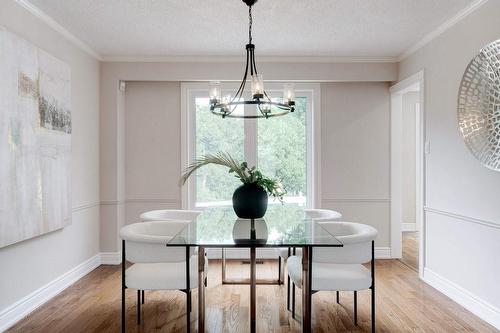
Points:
point(122, 85)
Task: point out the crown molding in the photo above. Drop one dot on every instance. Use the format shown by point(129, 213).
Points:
point(441, 29)
point(282, 59)
point(59, 28)
point(286, 59)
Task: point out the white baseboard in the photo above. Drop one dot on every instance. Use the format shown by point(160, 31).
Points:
point(383, 253)
point(31, 302)
point(480, 308)
point(272, 253)
point(111, 258)
point(407, 227)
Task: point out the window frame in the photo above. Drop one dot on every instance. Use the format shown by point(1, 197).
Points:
point(190, 90)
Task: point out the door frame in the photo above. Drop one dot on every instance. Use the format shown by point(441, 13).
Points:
point(397, 92)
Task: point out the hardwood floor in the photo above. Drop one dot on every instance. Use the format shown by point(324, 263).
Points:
point(404, 304)
point(410, 249)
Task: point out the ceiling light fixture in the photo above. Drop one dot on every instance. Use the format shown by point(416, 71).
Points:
point(264, 106)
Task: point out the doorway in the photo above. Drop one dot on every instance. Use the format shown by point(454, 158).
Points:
point(407, 172)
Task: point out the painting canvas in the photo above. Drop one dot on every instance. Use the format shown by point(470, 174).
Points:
point(35, 141)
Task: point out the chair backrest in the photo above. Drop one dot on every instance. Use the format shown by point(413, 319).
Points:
point(322, 214)
point(146, 242)
point(357, 240)
point(169, 214)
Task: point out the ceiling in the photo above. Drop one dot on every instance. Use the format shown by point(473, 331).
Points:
point(330, 28)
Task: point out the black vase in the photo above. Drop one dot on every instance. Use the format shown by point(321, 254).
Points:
point(250, 201)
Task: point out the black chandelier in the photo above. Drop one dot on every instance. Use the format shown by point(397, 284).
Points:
point(265, 107)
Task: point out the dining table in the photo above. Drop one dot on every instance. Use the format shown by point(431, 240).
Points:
point(283, 226)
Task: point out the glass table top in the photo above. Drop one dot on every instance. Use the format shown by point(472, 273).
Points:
point(282, 226)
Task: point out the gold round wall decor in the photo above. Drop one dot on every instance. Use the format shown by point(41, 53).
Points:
point(479, 106)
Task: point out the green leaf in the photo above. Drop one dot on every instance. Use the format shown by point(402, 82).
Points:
point(272, 186)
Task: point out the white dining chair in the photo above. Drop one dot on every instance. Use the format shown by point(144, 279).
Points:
point(316, 215)
point(169, 214)
point(154, 265)
point(341, 268)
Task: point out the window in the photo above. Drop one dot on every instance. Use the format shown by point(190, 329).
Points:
point(282, 147)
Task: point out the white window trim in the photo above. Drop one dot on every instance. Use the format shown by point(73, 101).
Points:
point(312, 91)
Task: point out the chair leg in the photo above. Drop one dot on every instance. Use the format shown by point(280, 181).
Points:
point(373, 310)
point(188, 291)
point(188, 310)
point(288, 283)
point(293, 289)
point(279, 271)
point(138, 307)
point(123, 307)
point(190, 303)
point(338, 296)
point(123, 286)
point(355, 308)
point(142, 297)
point(373, 286)
point(288, 292)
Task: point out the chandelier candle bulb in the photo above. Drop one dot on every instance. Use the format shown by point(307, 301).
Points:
point(266, 108)
point(225, 102)
point(289, 94)
point(215, 92)
point(226, 99)
point(257, 86)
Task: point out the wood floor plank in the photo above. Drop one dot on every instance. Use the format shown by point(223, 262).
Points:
point(404, 304)
point(410, 249)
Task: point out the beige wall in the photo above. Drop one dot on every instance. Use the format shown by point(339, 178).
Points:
point(153, 147)
point(462, 228)
point(355, 153)
point(28, 265)
point(232, 71)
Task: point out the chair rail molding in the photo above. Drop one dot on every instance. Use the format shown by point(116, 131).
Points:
point(85, 206)
point(355, 198)
point(153, 198)
point(112, 202)
point(463, 218)
point(142, 199)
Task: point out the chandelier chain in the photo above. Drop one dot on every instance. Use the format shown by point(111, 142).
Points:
point(250, 24)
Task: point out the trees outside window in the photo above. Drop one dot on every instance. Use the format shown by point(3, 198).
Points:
point(280, 147)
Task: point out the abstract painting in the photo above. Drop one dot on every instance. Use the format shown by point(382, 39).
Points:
point(35, 141)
